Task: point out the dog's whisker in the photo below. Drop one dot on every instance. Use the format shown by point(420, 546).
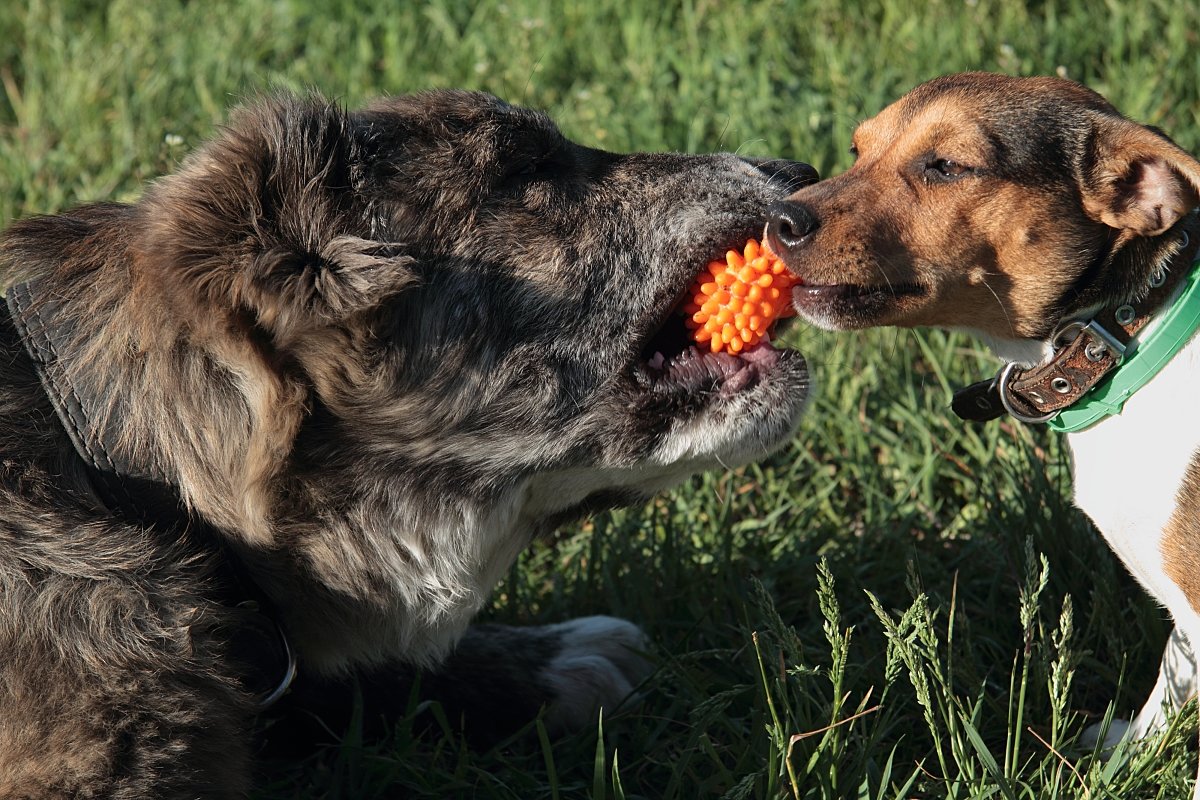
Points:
point(1003, 307)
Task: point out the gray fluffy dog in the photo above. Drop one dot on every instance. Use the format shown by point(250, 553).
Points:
point(317, 390)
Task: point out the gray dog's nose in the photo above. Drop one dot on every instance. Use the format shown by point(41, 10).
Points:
point(795, 173)
point(791, 174)
point(789, 225)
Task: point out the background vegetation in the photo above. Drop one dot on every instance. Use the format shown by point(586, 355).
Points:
point(897, 605)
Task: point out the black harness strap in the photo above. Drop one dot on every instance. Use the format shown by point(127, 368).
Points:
point(136, 494)
point(140, 494)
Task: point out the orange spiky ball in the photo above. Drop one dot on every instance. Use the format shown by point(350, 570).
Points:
point(735, 301)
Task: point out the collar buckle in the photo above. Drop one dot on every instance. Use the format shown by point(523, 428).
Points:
point(1004, 388)
point(1101, 339)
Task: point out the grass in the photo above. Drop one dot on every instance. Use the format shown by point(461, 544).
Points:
point(896, 605)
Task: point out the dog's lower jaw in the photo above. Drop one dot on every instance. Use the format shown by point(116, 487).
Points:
point(741, 427)
point(700, 445)
point(728, 434)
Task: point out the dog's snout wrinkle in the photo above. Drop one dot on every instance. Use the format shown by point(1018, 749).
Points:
point(789, 225)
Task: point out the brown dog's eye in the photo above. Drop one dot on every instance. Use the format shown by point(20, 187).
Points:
point(945, 169)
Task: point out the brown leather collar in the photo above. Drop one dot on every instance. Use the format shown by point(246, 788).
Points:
point(1084, 351)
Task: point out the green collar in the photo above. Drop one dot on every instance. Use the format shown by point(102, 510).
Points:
point(1143, 359)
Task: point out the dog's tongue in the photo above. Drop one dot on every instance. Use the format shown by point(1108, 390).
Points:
point(734, 303)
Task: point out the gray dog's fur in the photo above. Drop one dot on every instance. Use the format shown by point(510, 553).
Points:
point(375, 353)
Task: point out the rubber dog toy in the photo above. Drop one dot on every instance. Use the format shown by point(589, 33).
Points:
point(735, 301)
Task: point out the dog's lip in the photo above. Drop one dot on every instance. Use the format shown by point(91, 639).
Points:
point(806, 293)
point(698, 369)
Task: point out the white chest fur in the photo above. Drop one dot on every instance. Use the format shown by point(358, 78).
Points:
point(1128, 471)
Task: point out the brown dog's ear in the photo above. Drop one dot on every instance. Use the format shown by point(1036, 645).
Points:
point(268, 217)
point(1136, 179)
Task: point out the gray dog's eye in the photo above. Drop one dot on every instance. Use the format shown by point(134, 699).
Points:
point(524, 168)
point(519, 169)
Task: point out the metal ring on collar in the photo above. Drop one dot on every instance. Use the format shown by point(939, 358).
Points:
point(1093, 329)
point(1005, 377)
point(1061, 335)
point(270, 698)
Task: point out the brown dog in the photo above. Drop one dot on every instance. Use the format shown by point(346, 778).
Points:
point(320, 387)
point(1031, 212)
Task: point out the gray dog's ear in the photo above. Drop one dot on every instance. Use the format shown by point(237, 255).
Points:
point(346, 276)
point(268, 218)
point(1135, 179)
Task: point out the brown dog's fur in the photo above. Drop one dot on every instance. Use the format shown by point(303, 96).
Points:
point(374, 352)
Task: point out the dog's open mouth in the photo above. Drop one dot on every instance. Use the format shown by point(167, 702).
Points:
point(698, 370)
point(673, 361)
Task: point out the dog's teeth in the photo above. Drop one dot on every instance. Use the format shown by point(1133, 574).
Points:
point(694, 369)
point(728, 364)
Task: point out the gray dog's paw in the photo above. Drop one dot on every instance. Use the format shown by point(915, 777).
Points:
point(599, 666)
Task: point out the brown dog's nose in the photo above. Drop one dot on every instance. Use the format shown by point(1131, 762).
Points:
point(793, 174)
point(789, 225)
